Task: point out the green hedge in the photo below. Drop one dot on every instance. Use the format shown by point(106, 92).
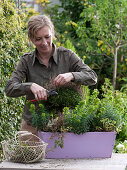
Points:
point(12, 46)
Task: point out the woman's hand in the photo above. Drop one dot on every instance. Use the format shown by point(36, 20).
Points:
point(62, 79)
point(38, 91)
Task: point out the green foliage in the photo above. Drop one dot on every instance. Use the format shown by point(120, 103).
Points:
point(48, 116)
point(119, 102)
point(11, 42)
point(90, 114)
point(105, 111)
point(81, 34)
point(69, 15)
point(95, 29)
point(93, 115)
point(118, 99)
point(67, 97)
point(121, 147)
point(12, 45)
point(109, 117)
point(68, 44)
point(124, 86)
point(72, 8)
point(40, 120)
point(39, 114)
point(59, 141)
point(77, 120)
point(105, 20)
point(105, 34)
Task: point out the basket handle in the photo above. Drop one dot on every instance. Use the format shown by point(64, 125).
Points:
point(25, 133)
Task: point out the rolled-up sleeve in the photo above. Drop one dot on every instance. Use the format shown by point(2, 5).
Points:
point(16, 89)
point(82, 73)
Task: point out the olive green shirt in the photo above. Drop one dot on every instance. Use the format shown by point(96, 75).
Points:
point(30, 69)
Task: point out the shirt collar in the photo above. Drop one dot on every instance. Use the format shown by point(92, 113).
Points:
point(54, 54)
point(34, 56)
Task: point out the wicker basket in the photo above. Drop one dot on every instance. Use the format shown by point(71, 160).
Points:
point(26, 151)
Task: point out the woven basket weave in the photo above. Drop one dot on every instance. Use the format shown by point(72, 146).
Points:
point(26, 151)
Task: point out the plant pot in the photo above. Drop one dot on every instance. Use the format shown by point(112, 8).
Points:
point(87, 145)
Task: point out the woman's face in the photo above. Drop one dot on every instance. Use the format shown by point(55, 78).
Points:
point(43, 40)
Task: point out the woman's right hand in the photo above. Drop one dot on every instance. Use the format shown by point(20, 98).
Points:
point(38, 91)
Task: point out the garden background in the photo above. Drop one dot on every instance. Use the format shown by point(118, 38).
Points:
point(95, 30)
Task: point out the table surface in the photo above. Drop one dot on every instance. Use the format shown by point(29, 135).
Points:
point(116, 162)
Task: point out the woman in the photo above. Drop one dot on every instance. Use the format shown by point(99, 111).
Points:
point(37, 68)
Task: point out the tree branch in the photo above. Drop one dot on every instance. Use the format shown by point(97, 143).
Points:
point(99, 54)
point(105, 41)
point(122, 44)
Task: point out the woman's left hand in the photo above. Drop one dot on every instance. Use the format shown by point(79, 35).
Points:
point(62, 79)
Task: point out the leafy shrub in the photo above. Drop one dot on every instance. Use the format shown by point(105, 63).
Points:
point(122, 149)
point(90, 114)
point(48, 115)
point(103, 111)
point(94, 115)
point(40, 117)
point(12, 45)
point(119, 102)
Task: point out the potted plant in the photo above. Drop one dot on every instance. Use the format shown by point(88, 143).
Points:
point(76, 123)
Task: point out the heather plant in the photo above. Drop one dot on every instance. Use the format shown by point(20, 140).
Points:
point(67, 97)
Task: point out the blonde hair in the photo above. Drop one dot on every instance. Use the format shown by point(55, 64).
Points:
point(37, 22)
